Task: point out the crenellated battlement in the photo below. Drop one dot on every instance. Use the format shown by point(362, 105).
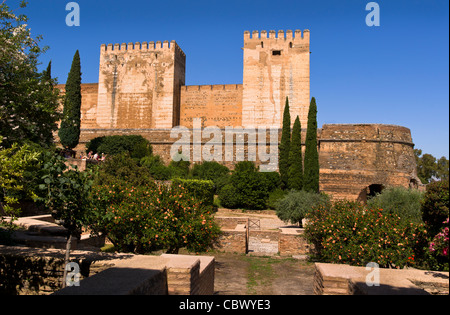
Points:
point(289, 35)
point(142, 46)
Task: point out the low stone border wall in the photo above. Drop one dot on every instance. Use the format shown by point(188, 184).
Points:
point(292, 242)
point(39, 271)
point(337, 279)
point(235, 237)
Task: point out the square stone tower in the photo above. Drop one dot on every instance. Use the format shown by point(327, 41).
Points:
point(276, 66)
point(139, 85)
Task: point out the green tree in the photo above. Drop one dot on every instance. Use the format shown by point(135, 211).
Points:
point(435, 206)
point(47, 74)
point(311, 169)
point(403, 202)
point(246, 187)
point(429, 168)
point(295, 180)
point(68, 197)
point(13, 164)
point(28, 108)
point(426, 166)
point(442, 168)
point(69, 131)
point(295, 205)
point(283, 151)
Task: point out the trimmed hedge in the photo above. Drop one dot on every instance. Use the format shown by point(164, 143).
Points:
point(136, 145)
point(248, 188)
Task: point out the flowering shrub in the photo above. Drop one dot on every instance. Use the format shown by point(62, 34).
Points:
point(435, 206)
point(348, 233)
point(202, 190)
point(148, 218)
point(439, 248)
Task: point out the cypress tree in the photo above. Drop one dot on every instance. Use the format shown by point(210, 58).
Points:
point(69, 131)
point(295, 180)
point(283, 150)
point(311, 172)
point(47, 74)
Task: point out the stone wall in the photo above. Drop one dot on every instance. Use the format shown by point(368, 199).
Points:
point(340, 279)
point(89, 92)
point(139, 85)
point(276, 66)
point(292, 242)
point(354, 158)
point(39, 271)
point(25, 271)
point(215, 105)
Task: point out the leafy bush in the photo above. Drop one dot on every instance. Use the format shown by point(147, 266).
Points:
point(136, 145)
point(348, 233)
point(435, 206)
point(297, 204)
point(272, 180)
point(274, 197)
point(145, 219)
point(202, 190)
point(211, 170)
point(228, 197)
point(156, 167)
point(122, 169)
point(406, 203)
point(246, 188)
point(179, 169)
point(438, 248)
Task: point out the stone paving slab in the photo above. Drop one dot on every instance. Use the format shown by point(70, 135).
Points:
point(345, 279)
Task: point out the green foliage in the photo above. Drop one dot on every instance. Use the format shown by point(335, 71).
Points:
point(201, 190)
point(430, 168)
point(311, 169)
point(435, 206)
point(179, 169)
point(295, 205)
point(145, 219)
point(28, 104)
point(136, 145)
point(284, 148)
point(295, 179)
point(246, 188)
point(69, 131)
point(274, 197)
point(67, 194)
point(211, 170)
point(406, 203)
point(13, 165)
point(156, 167)
point(271, 180)
point(229, 198)
point(438, 250)
point(348, 233)
point(122, 169)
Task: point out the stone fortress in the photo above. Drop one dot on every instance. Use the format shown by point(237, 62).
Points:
point(141, 90)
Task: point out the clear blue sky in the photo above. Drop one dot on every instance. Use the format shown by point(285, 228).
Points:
point(397, 73)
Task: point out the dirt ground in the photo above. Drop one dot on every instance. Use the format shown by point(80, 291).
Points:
point(237, 274)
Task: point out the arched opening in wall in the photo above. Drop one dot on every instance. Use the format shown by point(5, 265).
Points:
point(374, 189)
point(290, 45)
point(413, 183)
point(369, 192)
point(262, 44)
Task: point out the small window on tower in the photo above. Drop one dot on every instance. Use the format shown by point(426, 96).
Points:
point(276, 52)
